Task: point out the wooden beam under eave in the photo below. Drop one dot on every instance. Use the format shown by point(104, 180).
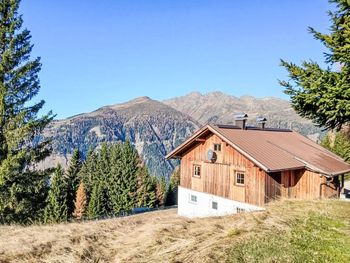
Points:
point(199, 140)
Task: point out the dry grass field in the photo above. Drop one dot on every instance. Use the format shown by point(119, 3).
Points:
point(288, 231)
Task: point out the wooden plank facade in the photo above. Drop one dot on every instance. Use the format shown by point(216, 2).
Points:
point(219, 177)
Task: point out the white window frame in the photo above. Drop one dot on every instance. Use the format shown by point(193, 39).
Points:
point(217, 144)
point(192, 201)
point(195, 170)
point(236, 178)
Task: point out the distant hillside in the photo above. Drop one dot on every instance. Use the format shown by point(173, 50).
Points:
point(217, 107)
point(153, 127)
point(288, 231)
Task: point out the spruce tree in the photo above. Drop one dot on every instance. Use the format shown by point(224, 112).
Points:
point(22, 189)
point(80, 202)
point(173, 187)
point(145, 193)
point(323, 94)
point(129, 169)
point(103, 170)
point(161, 192)
point(72, 180)
point(56, 208)
point(115, 179)
point(96, 202)
point(87, 172)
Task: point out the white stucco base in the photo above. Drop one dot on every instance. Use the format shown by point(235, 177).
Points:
point(203, 207)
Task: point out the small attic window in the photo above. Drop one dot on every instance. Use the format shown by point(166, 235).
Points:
point(217, 147)
point(239, 178)
point(197, 170)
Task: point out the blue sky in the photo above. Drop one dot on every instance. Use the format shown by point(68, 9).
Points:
point(96, 53)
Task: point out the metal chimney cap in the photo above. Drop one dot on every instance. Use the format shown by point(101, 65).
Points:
point(240, 116)
point(261, 119)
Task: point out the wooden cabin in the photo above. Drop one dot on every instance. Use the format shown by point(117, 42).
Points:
point(233, 168)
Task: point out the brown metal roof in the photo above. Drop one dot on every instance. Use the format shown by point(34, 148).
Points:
point(274, 149)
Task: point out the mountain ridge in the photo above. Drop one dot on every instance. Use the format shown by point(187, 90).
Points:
point(219, 108)
point(157, 127)
point(152, 127)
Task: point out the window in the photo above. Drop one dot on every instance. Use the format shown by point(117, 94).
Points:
point(193, 199)
point(240, 178)
point(217, 147)
point(240, 210)
point(214, 205)
point(196, 170)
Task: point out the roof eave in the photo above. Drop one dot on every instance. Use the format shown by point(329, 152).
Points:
point(287, 169)
point(315, 169)
point(341, 172)
point(172, 154)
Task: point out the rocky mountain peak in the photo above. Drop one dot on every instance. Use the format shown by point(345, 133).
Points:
point(131, 103)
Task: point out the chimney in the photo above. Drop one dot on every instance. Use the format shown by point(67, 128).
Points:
point(240, 120)
point(261, 121)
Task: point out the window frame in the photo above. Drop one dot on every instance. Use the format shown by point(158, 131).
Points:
point(195, 170)
point(217, 145)
point(240, 210)
point(191, 200)
point(236, 178)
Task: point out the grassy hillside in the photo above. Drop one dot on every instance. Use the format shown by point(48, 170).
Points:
point(288, 231)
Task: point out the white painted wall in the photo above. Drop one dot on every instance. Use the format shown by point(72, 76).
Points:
point(203, 206)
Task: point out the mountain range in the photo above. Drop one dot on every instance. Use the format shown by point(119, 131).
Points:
point(217, 107)
point(157, 127)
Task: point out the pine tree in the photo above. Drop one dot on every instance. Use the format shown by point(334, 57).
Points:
point(173, 187)
point(87, 172)
point(103, 170)
point(161, 191)
point(115, 179)
point(145, 193)
point(56, 208)
point(80, 202)
point(129, 169)
point(72, 180)
point(22, 189)
point(323, 95)
point(95, 207)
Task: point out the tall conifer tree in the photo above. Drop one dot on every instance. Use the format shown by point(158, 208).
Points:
point(173, 187)
point(56, 208)
point(22, 189)
point(80, 202)
point(115, 179)
point(72, 180)
point(161, 191)
point(129, 170)
point(103, 167)
point(87, 172)
point(145, 193)
point(323, 94)
point(96, 202)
